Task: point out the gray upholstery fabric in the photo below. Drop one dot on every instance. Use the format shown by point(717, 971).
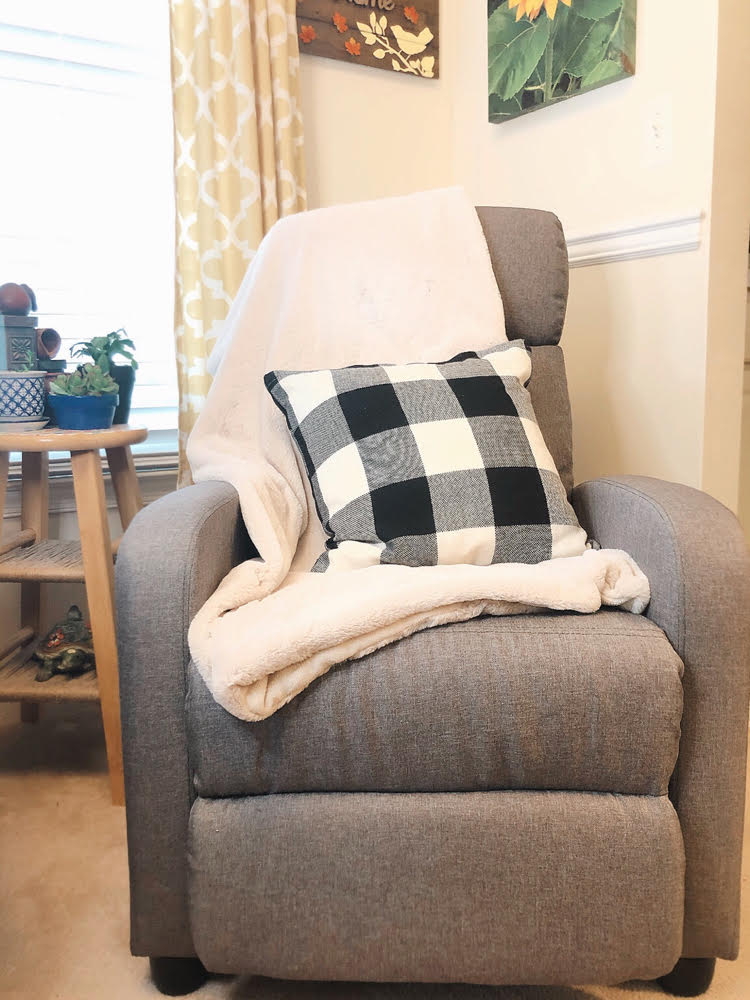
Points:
point(499, 887)
point(694, 554)
point(531, 701)
point(549, 395)
point(530, 260)
point(171, 559)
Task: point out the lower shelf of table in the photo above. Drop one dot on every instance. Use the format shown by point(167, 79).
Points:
point(48, 561)
point(18, 681)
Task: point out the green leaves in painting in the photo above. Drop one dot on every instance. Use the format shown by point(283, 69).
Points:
point(518, 47)
point(536, 59)
point(500, 110)
point(606, 70)
point(595, 9)
point(593, 42)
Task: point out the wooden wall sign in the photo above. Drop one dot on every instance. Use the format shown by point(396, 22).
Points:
point(389, 34)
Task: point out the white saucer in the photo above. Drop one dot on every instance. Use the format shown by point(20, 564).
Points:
point(22, 425)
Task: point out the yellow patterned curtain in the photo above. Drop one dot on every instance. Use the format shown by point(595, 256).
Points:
point(238, 163)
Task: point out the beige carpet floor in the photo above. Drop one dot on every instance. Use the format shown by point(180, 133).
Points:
point(64, 888)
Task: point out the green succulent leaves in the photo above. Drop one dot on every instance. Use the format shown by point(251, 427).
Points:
point(29, 362)
point(86, 380)
point(540, 62)
point(102, 350)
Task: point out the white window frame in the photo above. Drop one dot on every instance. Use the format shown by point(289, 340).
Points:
point(84, 47)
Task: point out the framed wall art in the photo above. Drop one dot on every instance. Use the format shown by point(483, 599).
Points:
point(397, 36)
point(542, 52)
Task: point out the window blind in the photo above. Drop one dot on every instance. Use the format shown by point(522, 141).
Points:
point(86, 180)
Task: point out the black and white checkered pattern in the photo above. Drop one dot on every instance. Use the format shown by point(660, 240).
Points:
point(427, 464)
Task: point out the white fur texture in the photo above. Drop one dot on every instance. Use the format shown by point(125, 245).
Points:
point(399, 280)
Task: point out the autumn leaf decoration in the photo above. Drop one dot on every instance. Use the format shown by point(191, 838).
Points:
point(353, 47)
point(307, 34)
point(340, 21)
point(406, 53)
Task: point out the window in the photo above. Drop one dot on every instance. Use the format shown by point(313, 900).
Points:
point(86, 180)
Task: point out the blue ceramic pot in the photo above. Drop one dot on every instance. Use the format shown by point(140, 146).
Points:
point(83, 413)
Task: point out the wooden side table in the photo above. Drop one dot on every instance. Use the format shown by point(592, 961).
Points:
point(30, 558)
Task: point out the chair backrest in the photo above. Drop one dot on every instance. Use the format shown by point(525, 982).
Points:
point(530, 260)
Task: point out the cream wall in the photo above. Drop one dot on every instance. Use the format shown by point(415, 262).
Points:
point(371, 133)
point(637, 334)
point(590, 159)
point(634, 346)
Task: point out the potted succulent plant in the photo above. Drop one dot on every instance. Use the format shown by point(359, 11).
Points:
point(102, 350)
point(84, 399)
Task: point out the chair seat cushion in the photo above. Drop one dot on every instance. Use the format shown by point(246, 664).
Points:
point(547, 701)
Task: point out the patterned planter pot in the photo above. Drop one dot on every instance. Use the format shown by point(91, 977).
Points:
point(21, 395)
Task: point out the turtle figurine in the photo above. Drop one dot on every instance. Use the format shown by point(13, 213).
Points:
point(67, 648)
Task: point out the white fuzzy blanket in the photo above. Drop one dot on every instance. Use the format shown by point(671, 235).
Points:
point(405, 279)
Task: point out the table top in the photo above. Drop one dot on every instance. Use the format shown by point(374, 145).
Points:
point(54, 439)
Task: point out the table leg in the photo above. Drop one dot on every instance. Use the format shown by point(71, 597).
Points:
point(96, 549)
point(4, 465)
point(125, 482)
point(34, 515)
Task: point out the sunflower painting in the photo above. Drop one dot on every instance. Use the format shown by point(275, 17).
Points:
point(544, 51)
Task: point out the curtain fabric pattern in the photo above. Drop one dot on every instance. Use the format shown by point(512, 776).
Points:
point(238, 163)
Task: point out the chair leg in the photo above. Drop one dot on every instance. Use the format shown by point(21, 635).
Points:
point(691, 977)
point(176, 977)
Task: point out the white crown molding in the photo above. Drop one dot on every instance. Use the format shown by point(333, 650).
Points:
point(157, 475)
point(651, 239)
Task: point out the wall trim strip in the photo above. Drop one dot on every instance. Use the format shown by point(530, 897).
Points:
point(652, 239)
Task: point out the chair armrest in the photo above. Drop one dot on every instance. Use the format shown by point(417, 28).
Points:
point(172, 557)
point(694, 554)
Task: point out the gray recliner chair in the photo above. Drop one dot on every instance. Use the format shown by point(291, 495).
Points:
point(544, 799)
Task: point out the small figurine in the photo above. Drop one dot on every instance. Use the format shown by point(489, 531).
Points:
point(67, 648)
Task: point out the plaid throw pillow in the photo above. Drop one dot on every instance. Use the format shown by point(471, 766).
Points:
point(429, 464)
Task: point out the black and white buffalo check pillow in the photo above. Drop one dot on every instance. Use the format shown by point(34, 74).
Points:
point(429, 464)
